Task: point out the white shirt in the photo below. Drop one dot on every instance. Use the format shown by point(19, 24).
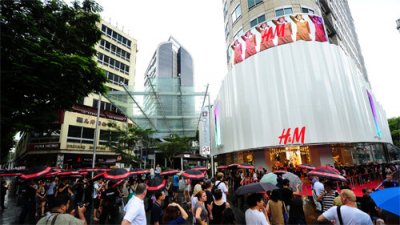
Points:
point(223, 188)
point(135, 213)
point(255, 217)
point(350, 216)
point(318, 187)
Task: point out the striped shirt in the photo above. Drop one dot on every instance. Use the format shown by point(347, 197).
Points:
point(327, 200)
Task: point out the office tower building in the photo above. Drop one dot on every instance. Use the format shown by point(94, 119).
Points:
point(71, 145)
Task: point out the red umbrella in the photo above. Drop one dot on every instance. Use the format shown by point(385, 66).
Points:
point(35, 172)
point(98, 176)
point(240, 166)
point(193, 174)
point(222, 167)
point(169, 172)
point(156, 184)
point(327, 169)
point(116, 174)
point(116, 184)
point(307, 166)
point(9, 174)
point(94, 169)
point(201, 168)
point(138, 172)
point(328, 175)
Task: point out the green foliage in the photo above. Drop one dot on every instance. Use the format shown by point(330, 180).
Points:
point(47, 59)
point(394, 126)
point(174, 146)
point(125, 140)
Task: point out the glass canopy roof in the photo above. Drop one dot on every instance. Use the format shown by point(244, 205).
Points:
point(164, 106)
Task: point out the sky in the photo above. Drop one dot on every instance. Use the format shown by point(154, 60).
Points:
point(199, 27)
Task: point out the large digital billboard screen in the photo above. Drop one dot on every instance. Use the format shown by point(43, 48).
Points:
point(279, 31)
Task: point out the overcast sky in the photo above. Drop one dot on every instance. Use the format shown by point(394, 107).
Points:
point(199, 27)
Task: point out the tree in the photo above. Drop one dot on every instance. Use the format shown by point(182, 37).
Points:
point(394, 126)
point(125, 140)
point(47, 60)
point(174, 146)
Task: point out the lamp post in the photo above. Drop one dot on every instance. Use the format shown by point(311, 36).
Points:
point(96, 134)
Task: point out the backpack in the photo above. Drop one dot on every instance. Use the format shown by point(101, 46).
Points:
point(215, 187)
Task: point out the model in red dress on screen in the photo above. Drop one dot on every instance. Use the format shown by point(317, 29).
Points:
point(319, 28)
point(283, 30)
point(237, 51)
point(251, 43)
point(303, 28)
point(267, 36)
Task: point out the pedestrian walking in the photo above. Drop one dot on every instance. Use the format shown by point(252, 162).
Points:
point(134, 210)
point(156, 210)
point(348, 213)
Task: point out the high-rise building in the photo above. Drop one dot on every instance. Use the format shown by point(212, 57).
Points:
point(398, 24)
point(297, 90)
point(170, 71)
point(240, 15)
point(72, 143)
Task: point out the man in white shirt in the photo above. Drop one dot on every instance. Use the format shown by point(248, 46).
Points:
point(135, 213)
point(221, 185)
point(318, 188)
point(256, 214)
point(350, 214)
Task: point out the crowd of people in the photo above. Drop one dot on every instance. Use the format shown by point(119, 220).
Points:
point(63, 200)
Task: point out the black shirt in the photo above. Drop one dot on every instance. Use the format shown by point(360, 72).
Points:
point(286, 195)
point(210, 199)
point(156, 213)
point(109, 197)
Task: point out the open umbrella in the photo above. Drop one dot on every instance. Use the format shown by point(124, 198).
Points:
point(279, 171)
point(169, 172)
point(94, 169)
point(307, 166)
point(35, 172)
point(138, 172)
point(270, 178)
point(293, 179)
point(222, 167)
point(327, 169)
point(240, 166)
point(116, 174)
point(329, 175)
point(396, 175)
point(156, 184)
point(388, 199)
point(255, 188)
point(201, 168)
point(193, 174)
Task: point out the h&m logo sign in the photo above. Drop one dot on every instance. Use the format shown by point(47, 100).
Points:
point(296, 138)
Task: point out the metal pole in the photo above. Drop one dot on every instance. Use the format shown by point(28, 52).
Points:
point(209, 136)
point(96, 134)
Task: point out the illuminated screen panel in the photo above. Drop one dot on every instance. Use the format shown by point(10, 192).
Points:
point(372, 104)
point(279, 31)
point(217, 124)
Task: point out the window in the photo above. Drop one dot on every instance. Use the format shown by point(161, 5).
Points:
point(236, 13)
point(252, 3)
point(80, 134)
point(226, 30)
point(116, 36)
point(110, 62)
point(257, 20)
point(238, 34)
point(307, 10)
point(106, 106)
point(283, 11)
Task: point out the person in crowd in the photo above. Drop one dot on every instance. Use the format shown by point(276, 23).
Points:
point(134, 210)
point(217, 207)
point(3, 192)
point(207, 188)
point(317, 189)
point(286, 193)
point(64, 190)
point(41, 198)
point(367, 203)
point(276, 208)
point(220, 184)
point(193, 201)
point(187, 189)
point(350, 214)
point(228, 217)
point(256, 213)
point(108, 202)
point(157, 171)
point(337, 200)
point(98, 188)
point(175, 214)
point(389, 182)
point(132, 188)
point(200, 211)
point(296, 213)
point(51, 190)
point(59, 215)
point(175, 187)
point(327, 196)
point(156, 210)
point(28, 192)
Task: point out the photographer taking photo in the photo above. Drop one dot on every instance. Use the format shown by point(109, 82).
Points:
point(59, 215)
